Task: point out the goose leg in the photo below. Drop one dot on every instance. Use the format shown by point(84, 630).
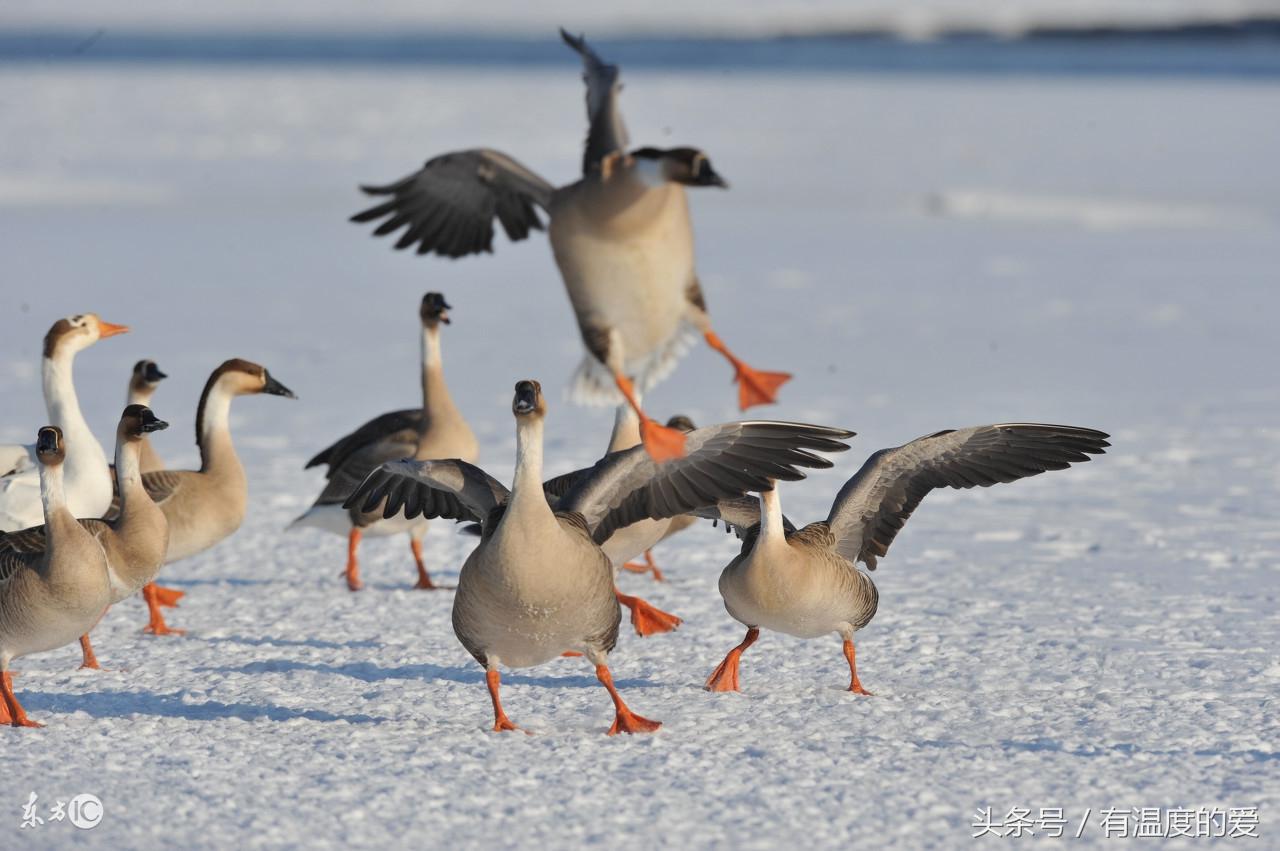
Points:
point(647, 618)
point(625, 721)
point(156, 624)
point(662, 443)
point(755, 387)
point(16, 716)
point(168, 597)
point(649, 566)
point(501, 722)
point(90, 660)
point(725, 677)
point(854, 685)
point(424, 579)
point(353, 562)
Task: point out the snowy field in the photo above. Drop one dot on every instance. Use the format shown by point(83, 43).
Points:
point(921, 252)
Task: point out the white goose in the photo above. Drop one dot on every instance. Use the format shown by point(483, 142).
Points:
point(87, 478)
point(539, 585)
point(805, 582)
point(49, 597)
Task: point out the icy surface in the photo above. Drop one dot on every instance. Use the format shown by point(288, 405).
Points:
point(922, 253)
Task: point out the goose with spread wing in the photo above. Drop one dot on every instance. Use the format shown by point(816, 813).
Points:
point(87, 478)
point(622, 239)
point(539, 584)
point(436, 430)
point(806, 583)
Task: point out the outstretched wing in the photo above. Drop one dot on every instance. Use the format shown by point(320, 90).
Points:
point(397, 427)
point(450, 488)
point(739, 515)
point(448, 206)
point(721, 462)
point(873, 505)
point(606, 133)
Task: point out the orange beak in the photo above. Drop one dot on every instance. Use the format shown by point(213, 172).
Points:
point(110, 329)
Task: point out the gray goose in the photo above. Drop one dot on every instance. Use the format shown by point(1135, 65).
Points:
point(621, 236)
point(806, 583)
point(87, 478)
point(202, 507)
point(50, 596)
point(441, 433)
point(143, 381)
point(539, 584)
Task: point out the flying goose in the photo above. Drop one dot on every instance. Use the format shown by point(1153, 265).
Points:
point(441, 433)
point(621, 236)
point(87, 477)
point(143, 381)
point(51, 596)
point(134, 541)
point(539, 585)
point(805, 583)
point(204, 506)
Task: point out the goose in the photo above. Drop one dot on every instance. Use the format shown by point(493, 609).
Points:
point(806, 583)
point(134, 541)
point(539, 585)
point(674, 526)
point(86, 479)
point(202, 507)
point(49, 596)
point(621, 236)
point(442, 433)
point(143, 381)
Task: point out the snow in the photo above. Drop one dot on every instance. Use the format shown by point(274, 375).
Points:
point(1094, 638)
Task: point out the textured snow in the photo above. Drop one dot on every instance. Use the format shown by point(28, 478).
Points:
point(1100, 637)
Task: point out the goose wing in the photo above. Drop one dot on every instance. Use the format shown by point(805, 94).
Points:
point(397, 427)
point(450, 203)
point(874, 505)
point(25, 547)
point(161, 486)
point(739, 515)
point(721, 462)
point(450, 488)
point(606, 134)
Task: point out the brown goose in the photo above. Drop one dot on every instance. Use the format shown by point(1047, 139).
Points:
point(204, 506)
point(143, 381)
point(539, 585)
point(442, 433)
point(621, 236)
point(51, 595)
point(805, 583)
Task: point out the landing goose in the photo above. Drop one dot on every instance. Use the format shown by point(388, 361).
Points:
point(51, 596)
point(621, 236)
point(143, 381)
point(204, 506)
point(805, 583)
point(442, 433)
point(539, 585)
point(87, 479)
point(134, 541)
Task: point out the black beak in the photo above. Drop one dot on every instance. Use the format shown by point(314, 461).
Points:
point(711, 178)
point(48, 439)
point(150, 422)
point(526, 401)
point(275, 388)
point(153, 374)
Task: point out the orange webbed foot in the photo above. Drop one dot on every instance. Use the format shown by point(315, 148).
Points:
point(662, 443)
point(724, 677)
point(168, 597)
point(757, 387)
point(156, 625)
point(857, 688)
point(647, 618)
point(649, 566)
point(627, 721)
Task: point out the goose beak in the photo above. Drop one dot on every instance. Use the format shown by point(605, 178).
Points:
point(154, 374)
point(526, 400)
point(150, 422)
point(275, 388)
point(110, 329)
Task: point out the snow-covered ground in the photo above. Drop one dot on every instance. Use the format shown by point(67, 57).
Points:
point(922, 252)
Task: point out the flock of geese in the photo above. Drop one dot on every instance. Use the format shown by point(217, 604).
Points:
point(78, 535)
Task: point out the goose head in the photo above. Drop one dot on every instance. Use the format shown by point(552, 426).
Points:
point(681, 422)
point(239, 377)
point(688, 166)
point(529, 402)
point(434, 310)
point(50, 450)
point(74, 333)
point(146, 376)
point(137, 421)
